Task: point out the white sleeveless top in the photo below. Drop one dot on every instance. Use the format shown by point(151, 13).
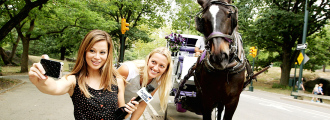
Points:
point(133, 80)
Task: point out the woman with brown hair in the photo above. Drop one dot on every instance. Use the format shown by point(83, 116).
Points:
point(93, 84)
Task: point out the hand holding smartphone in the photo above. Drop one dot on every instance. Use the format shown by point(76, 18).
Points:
point(52, 68)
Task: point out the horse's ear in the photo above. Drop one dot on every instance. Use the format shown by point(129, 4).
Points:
point(199, 24)
point(234, 19)
point(202, 2)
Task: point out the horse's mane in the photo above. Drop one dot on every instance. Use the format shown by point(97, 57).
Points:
point(239, 42)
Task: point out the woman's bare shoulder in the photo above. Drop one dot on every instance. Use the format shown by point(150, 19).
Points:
point(123, 70)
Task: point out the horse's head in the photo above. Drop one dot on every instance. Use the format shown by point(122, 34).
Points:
point(218, 22)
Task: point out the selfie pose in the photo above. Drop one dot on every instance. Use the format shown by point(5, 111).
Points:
point(156, 70)
point(93, 84)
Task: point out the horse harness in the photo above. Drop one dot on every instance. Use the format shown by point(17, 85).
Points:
point(236, 64)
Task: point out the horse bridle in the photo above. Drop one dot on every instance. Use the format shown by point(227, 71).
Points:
point(232, 39)
point(200, 22)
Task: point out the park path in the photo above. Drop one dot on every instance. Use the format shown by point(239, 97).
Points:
point(26, 102)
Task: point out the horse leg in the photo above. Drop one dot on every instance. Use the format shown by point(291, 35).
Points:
point(207, 109)
point(220, 109)
point(230, 109)
point(207, 113)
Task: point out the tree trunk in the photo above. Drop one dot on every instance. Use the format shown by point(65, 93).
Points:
point(4, 56)
point(62, 53)
point(285, 69)
point(25, 55)
point(24, 12)
point(324, 68)
point(13, 50)
point(26, 44)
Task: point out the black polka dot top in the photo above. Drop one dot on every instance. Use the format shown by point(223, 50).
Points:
point(99, 107)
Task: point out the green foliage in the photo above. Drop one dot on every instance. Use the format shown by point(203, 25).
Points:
point(137, 13)
point(276, 27)
point(142, 49)
point(319, 54)
point(130, 55)
point(69, 22)
point(183, 15)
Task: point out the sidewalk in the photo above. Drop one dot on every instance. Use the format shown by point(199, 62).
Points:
point(26, 102)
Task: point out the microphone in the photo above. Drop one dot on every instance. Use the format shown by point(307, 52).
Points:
point(143, 94)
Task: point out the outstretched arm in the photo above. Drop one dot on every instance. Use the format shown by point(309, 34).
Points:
point(48, 85)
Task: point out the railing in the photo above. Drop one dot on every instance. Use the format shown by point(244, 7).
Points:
point(301, 93)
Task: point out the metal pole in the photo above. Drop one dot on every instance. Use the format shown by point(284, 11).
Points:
point(303, 42)
point(122, 45)
point(251, 86)
point(294, 81)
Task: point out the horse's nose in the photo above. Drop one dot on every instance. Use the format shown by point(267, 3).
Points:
point(224, 56)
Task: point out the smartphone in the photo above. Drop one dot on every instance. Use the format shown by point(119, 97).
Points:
point(52, 68)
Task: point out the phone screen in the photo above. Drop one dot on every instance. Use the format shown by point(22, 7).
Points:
point(52, 68)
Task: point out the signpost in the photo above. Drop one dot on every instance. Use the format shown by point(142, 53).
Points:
point(301, 59)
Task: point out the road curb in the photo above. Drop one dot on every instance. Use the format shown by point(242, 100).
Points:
point(2, 91)
point(306, 102)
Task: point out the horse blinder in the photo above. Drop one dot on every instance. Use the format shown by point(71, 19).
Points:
point(199, 24)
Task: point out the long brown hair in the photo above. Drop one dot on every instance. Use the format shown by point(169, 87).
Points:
point(108, 73)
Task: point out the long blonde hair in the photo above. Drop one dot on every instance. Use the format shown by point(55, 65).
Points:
point(108, 73)
point(165, 79)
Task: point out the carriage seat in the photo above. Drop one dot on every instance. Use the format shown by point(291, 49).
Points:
point(190, 50)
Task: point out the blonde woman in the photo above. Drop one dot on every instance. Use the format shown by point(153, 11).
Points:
point(156, 70)
point(315, 92)
point(93, 84)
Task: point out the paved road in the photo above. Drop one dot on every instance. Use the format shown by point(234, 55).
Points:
point(260, 105)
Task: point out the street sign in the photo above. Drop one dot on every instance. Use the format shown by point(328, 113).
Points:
point(300, 58)
point(306, 58)
point(301, 46)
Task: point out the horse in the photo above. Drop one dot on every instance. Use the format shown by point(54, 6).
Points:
point(219, 73)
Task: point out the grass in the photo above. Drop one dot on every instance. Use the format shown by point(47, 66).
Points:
point(7, 83)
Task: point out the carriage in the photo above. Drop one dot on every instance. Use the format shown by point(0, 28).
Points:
point(185, 97)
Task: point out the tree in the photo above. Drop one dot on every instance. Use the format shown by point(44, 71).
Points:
point(276, 26)
point(63, 24)
point(52, 21)
point(136, 13)
point(184, 18)
point(319, 54)
point(17, 18)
